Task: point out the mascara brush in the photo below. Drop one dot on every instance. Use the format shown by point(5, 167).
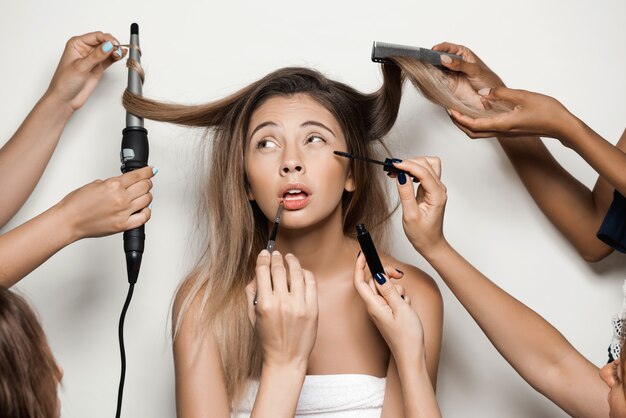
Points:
point(387, 164)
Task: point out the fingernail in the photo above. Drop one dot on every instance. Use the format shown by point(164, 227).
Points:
point(380, 278)
point(446, 59)
point(118, 52)
point(155, 170)
point(396, 160)
point(402, 178)
point(484, 92)
point(107, 46)
point(358, 255)
point(399, 271)
point(150, 207)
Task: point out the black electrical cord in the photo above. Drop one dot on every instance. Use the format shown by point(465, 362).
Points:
point(120, 392)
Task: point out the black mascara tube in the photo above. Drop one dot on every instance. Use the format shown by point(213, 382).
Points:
point(369, 250)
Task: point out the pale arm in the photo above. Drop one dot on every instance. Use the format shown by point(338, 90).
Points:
point(25, 155)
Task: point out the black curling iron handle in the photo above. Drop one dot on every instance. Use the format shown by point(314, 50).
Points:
point(134, 155)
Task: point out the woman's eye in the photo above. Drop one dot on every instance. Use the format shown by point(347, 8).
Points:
point(266, 143)
point(315, 138)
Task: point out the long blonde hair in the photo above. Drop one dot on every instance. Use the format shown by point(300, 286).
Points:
point(217, 282)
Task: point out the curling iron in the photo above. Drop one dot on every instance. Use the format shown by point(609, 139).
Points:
point(134, 155)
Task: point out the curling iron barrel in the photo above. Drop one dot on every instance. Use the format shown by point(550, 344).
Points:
point(134, 155)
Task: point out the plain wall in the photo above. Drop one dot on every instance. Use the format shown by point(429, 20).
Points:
point(198, 51)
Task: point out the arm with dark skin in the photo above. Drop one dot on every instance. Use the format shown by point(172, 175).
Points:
point(576, 211)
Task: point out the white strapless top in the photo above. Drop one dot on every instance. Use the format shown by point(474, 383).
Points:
point(330, 396)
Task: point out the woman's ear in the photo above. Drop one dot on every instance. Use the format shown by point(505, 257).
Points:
point(350, 184)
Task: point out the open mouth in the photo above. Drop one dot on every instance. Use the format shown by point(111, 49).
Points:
point(295, 196)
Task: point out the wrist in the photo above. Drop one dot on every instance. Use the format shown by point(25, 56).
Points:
point(434, 248)
point(67, 231)
point(293, 371)
point(56, 105)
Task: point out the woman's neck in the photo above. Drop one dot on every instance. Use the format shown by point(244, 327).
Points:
point(321, 248)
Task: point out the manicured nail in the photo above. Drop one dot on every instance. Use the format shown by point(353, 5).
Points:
point(380, 278)
point(107, 46)
point(155, 170)
point(400, 271)
point(396, 160)
point(446, 59)
point(402, 178)
point(484, 92)
point(358, 255)
point(150, 207)
point(118, 52)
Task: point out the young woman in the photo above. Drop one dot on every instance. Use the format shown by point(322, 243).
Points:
point(535, 349)
point(312, 348)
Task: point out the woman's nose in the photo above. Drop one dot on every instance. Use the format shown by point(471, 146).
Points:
point(292, 166)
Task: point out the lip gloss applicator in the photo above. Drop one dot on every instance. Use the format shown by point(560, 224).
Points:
point(270, 243)
point(387, 164)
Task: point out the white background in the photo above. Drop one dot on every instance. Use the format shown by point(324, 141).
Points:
point(198, 51)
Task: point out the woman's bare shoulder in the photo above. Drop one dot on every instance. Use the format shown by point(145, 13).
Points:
point(417, 283)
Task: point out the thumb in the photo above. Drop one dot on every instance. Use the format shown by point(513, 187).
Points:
point(502, 93)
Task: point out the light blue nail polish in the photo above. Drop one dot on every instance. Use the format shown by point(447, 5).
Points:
point(118, 51)
point(107, 46)
point(155, 170)
point(150, 206)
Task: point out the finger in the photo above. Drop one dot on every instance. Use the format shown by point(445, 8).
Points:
point(310, 289)
point(118, 54)
point(251, 292)
point(388, 291)
point(401, 290)
point(137, 219)
point(279, 274)
point(97, 56)
point(393, 272)
point(139, 189)
point(428, 181)
point(296, 277)
point(263, 276)
point(472, 128)
point(504, 93)
point(134, 176)
point(93, 38)
point(448, 47)
point(363, 289)
point(140, 203)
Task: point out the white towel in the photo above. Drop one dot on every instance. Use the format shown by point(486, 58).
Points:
point(330, 396)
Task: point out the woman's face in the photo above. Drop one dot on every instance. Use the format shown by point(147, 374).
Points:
point(612, 374)
point(289, 158)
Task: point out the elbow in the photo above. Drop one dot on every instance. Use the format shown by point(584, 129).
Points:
point(594, 255)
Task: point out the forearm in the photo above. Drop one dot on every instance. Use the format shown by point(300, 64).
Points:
point(527, 341)
point(279, 391)
point(417, 390)
point(24, 157)
point(567, 203)
point(605, 158)
point(29, 245)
